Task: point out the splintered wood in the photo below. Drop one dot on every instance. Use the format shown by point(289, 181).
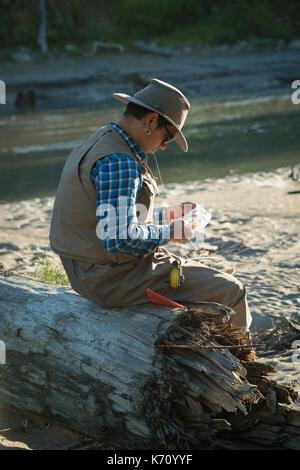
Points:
point(218, 389)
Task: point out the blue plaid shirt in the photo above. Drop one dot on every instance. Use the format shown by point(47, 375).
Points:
point(116, 178)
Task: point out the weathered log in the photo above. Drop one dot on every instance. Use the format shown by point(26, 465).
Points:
point(140, 376)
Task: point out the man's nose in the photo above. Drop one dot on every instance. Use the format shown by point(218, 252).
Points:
point(163, 146)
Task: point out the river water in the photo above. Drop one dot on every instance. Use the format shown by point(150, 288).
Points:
point(224, 138)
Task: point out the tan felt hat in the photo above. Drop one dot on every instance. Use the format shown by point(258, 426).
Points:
point(165, 100)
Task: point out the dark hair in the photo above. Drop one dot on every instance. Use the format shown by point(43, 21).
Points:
point(139, 112)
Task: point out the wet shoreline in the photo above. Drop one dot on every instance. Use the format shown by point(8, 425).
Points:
point(231, 137)
point(206, 74)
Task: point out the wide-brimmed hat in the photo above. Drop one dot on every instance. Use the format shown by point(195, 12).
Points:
point(164, 99)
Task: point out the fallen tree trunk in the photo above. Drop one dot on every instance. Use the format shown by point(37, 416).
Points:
point(141, 377)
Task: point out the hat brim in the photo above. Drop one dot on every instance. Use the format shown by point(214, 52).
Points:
point(179, 137)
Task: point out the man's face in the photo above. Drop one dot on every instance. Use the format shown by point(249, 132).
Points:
point(160, 137)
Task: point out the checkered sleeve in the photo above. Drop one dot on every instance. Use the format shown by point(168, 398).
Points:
point(160, 215)
point(118, 181)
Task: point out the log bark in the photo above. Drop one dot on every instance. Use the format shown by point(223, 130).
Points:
point(139, 377)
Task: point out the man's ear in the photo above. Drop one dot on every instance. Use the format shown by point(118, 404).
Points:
point(151, 119)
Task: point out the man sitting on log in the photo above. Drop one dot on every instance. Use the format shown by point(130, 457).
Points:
point(111, 254)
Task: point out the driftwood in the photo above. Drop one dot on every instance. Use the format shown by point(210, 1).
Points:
point(106, 45)
point(280, 336)
point(138, 377)
point(153, 48)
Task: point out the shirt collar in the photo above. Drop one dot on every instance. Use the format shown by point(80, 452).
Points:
point(134, 147)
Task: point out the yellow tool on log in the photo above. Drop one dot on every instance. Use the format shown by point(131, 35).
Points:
point(176, 275)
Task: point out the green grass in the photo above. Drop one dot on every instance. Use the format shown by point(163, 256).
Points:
point(48, 271)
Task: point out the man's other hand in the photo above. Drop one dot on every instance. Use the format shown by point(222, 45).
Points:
point(179, 210)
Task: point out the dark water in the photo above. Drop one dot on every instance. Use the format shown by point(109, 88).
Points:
point(224, 138)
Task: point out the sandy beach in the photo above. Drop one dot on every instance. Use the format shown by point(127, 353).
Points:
point(254, 229)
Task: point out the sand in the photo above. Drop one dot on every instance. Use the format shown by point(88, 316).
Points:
point(254, 229)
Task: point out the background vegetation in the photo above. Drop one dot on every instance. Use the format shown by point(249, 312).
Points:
point(167, 21)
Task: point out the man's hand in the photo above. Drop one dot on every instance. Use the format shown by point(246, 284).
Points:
point(178, 211)
point(181, 231)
